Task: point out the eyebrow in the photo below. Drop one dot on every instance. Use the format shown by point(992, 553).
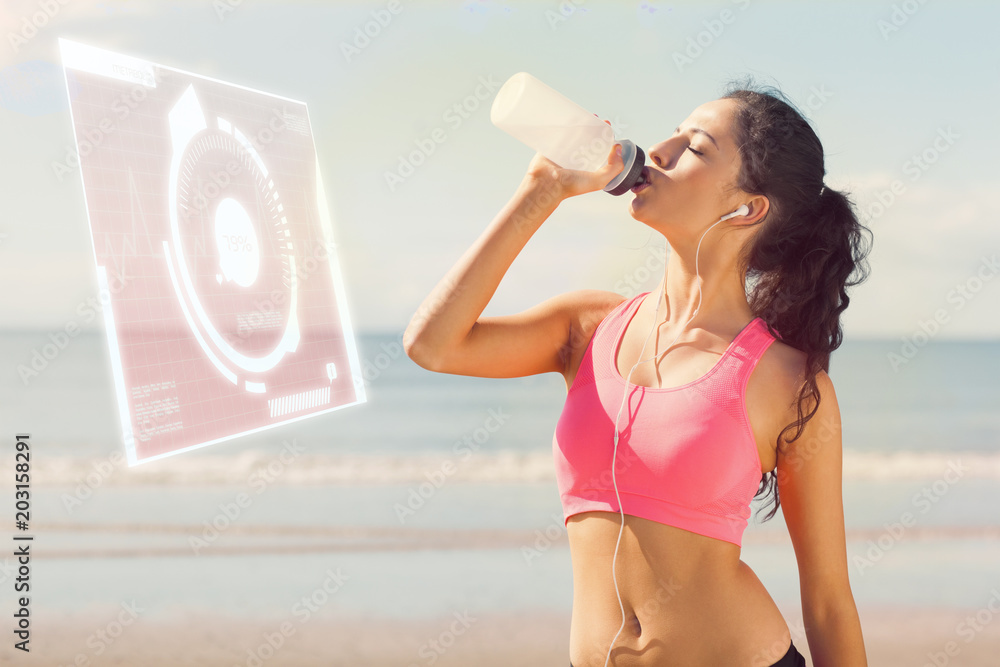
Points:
point(700, 131)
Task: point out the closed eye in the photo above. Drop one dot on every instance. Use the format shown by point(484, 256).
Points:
point(694, 151)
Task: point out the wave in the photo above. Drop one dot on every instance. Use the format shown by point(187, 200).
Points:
point(503, 466)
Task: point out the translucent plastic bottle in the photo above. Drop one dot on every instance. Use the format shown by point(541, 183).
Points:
point(562, 130)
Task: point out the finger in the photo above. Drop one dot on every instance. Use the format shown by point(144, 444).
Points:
point(615, 157)
point(605, 120)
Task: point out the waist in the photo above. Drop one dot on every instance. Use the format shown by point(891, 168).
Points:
point(683, 594)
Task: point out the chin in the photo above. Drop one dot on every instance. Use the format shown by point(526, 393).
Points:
point(655, 225)
point(643, 211)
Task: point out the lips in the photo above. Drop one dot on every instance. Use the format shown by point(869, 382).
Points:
point(643, 181)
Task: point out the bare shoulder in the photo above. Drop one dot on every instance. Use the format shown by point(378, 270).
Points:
point(783, 374)
point(778, 377)
point(787, 364)
point(587, 308)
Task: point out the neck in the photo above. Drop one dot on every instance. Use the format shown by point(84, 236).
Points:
point(723, 302)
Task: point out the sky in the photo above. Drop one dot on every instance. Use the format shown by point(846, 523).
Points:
point(881, 82)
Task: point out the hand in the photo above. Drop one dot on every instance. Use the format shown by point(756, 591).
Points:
point(572, 182)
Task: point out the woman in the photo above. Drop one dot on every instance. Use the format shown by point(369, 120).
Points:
point(655, 547)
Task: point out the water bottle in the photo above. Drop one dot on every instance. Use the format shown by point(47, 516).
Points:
point(562, 130)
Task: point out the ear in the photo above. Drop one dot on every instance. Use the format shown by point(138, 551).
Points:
point(758, 206)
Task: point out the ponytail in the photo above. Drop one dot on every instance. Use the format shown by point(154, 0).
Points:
point(809, 249)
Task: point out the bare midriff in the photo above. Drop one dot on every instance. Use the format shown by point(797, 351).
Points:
point(689, 600)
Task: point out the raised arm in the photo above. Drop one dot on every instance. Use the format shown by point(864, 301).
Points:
point(447, 333)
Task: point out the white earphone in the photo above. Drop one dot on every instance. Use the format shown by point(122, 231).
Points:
point(742, 210)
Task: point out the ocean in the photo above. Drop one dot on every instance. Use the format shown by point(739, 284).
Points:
point(427, 511)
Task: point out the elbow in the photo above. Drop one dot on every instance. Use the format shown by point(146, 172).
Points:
point(433, 353)
point(416, 351)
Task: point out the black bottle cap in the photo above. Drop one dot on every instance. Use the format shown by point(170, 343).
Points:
point(631, 174)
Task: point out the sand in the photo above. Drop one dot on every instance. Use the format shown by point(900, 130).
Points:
point(893, 637)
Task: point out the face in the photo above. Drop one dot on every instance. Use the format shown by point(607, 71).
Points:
point(691, 174)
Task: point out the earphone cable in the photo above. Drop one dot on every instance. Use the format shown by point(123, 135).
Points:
point(614, 455)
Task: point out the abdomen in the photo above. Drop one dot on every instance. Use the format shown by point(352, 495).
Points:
point(689, 599)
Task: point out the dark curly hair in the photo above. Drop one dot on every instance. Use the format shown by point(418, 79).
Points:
point(810, 247)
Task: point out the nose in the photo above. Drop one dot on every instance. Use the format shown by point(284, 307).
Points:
point(658, 154)
point(654, 157)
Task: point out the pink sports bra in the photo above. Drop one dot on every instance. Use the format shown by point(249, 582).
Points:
point(687, 456)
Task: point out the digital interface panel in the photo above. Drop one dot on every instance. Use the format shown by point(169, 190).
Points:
point(221, 291)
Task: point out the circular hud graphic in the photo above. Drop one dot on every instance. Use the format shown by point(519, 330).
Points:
point(230, 254)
